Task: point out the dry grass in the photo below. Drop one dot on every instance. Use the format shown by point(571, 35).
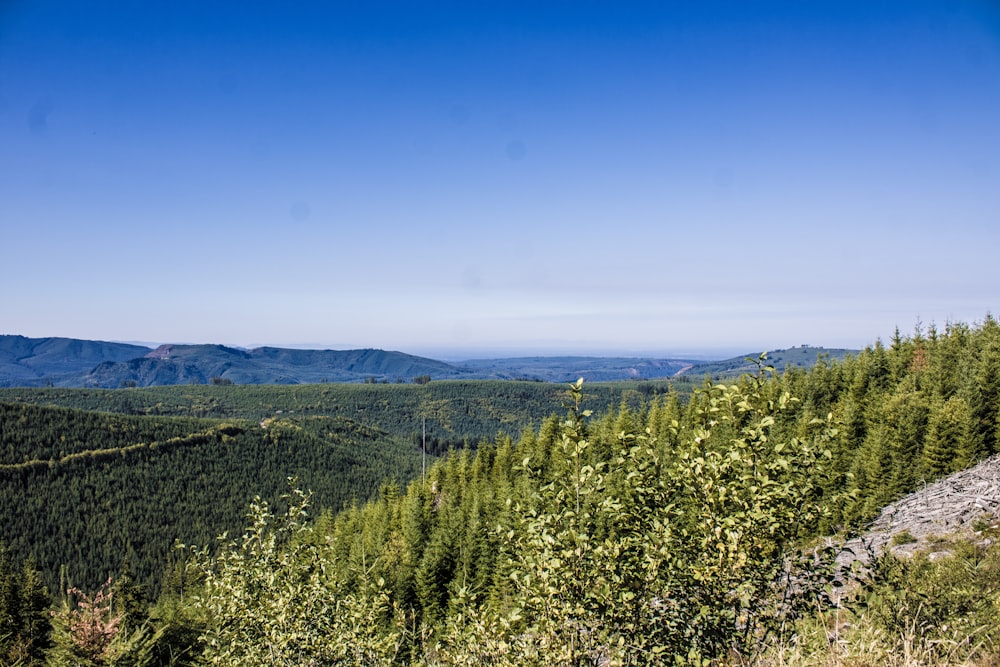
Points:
point(838, 639)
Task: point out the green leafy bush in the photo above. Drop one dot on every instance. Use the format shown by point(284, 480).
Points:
point(272, 598)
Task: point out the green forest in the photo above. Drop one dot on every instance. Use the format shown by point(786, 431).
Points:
point(94, 478)
point(586, 524)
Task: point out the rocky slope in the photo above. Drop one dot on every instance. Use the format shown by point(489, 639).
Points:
point(958, 505)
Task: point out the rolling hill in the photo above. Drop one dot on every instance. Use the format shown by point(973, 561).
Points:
point(568, 369)
point(90, 489)
point(201, 364)
point(64, 362)
point(804, 356)
point(58, 361)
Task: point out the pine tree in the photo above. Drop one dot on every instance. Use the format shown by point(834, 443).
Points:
point(984, 392)
point(663, 419)
point(130, 602)
point(947, 359)
point(25, 628)
point(905, 415)
point(948, 446)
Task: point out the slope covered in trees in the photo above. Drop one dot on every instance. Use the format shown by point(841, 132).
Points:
point(673, 530)
point(803, 356)
point(200, 364)
point(663, 531)
point(452, 412)
point(923, 406)
point(90, 490)
point(27, 361)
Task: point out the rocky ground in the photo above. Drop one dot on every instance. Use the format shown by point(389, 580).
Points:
point(962, 504)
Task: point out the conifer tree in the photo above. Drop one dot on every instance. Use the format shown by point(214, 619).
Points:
point(948, 447)
point(905, 416)
point(983, 395)
point(25, 627)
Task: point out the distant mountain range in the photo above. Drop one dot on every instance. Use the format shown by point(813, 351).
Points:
point(68, 362)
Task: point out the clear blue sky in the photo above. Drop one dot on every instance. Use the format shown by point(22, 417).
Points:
point(459, 178)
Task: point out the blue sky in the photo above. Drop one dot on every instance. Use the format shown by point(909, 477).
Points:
point(457, 179)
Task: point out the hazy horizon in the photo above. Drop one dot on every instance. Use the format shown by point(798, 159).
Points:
point(538, 176)
point(452, 354)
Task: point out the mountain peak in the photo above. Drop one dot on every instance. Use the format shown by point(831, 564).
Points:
point(162, 352)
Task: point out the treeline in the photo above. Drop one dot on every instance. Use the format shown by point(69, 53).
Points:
point(29, 432)
point(452, 411)
point(921, 407)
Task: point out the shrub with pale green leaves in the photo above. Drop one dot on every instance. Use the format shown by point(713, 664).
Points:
point(273, 598)
point(680, 554)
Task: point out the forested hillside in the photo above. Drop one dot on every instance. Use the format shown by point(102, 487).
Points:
point(90, 491)
point(659, 531)
point(802, 356)
point(451, 412)
point(111, 475)
point(923, 406)
point(202, 364)
point(27, 361)
point(655, 531)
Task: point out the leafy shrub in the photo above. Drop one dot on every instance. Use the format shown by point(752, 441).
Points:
point(271, 598)
point(686, 552)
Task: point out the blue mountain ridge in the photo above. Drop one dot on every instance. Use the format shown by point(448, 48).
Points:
point(67, 362)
